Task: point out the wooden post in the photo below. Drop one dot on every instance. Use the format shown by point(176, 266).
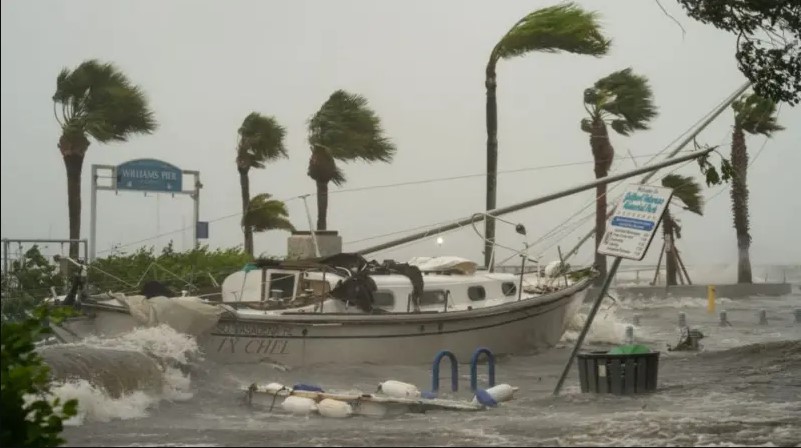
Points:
point(659, 263)
point(681, 263)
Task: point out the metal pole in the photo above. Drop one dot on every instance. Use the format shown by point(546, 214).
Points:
point(522, 270)
point(562, 266)
point(587, 325)
point(93, 217)
point(196, 212)
point(541, 200)
point(5, 258)
point(311, 227)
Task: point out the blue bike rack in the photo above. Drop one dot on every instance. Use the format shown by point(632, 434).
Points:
point(435, 371)
point(474, 367)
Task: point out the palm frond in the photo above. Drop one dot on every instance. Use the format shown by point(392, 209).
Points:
point(350, 130)
point(565, 27)
point(99, 100)
point(266, 214)
point(626, 96)
point(756, 115)
point(686, 190)
point(261, 139)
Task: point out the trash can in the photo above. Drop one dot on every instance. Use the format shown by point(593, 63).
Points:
point(619, 374)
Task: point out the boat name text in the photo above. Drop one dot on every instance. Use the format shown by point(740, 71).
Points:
point(254, 346)
point(246, 329)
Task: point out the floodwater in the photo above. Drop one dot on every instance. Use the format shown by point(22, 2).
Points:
point(742, 389)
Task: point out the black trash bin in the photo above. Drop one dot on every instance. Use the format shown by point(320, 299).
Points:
point(621, 374)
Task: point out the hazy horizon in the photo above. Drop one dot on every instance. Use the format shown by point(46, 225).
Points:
point(205, 65)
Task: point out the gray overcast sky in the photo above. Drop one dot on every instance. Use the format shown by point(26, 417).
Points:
point(205, 65)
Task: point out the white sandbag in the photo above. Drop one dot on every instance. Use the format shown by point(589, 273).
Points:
point(274, 388)
point(398, 389)
point(500, 393)
point(299, 405)
point(334, 408)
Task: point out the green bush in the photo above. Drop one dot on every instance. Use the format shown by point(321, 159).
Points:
point(28, 418)
point(192, 270)
point(29, 279)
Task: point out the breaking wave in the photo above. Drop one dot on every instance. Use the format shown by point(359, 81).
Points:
point(607, 328)
point(122, 377)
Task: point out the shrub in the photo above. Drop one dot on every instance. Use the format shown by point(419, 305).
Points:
point(28, 418)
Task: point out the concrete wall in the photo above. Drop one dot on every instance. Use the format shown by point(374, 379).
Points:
point(301, 246)
point(730, 291)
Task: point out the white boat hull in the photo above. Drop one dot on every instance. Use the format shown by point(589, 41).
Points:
point(399, 338)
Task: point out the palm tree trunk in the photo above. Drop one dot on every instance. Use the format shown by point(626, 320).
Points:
point(244, 182)
point(739, 196)
point(492, 158)
point(73, 148)
point(603, 153)
point(671, 264)
point(322, 204)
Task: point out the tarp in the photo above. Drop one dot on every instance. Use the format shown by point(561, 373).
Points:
point(187, 315)
point(448, 263)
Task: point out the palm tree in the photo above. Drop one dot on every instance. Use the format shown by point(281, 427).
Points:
point(98, 101)
point(625, 101)
point(754, 115)
point(564, 27)
point(345, 129)
point(261, 140)
point(264, 214)
point(688, 192)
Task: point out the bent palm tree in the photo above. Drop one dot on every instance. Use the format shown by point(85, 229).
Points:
point(345, 129)
point(261, 140)
point(564, 27)
point(754, 115)
point(264, 214)
point(688, 192)
point(97, 101)
point(625, 101)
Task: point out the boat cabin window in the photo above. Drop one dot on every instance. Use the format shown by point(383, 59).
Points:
point(282, 285)
point(384, 299)
point(509, 288)
point(433, 297)
point(476, 293)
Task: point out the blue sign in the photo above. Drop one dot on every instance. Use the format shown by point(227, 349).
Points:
point(149, 175)
point(202, 230)
point(632, 223)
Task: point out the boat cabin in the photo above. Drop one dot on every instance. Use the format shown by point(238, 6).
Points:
point(448, 284)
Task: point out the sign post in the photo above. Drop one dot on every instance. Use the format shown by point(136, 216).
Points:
point(142, 175)
point(629, 233)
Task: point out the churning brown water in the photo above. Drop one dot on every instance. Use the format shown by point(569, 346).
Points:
point(742, 389)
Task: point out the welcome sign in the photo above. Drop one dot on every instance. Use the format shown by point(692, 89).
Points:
point(631, 228)
point(149, 175)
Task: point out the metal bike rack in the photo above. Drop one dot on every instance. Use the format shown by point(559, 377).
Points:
point(454, 371)
point(474, 367)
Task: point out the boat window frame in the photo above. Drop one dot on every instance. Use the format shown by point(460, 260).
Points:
point(268, 283)
point(443, 293)
point(476, 287)
point(385, 291)
point(510, 293)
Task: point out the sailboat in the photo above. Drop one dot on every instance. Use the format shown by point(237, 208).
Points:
point(346, 309)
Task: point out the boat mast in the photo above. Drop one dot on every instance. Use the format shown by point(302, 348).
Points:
point(681, 146)
point(530, 203)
